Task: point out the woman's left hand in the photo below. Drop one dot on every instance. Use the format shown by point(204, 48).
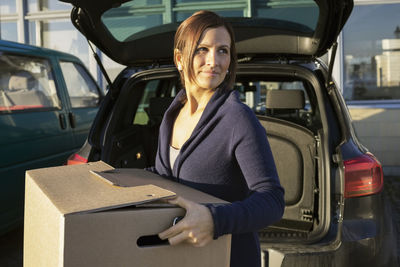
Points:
point(197, 227)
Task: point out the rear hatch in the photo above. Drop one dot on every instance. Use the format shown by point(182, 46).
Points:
point(136, 33)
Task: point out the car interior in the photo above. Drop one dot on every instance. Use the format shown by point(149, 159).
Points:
point(21, 88)
point(285, 108)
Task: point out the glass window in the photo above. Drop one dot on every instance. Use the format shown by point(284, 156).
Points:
point(181, 16)
point(113, 68)
point(269, 98)
point(8, 31)
point(127, 20)
point(303, 13)
point(33, 6)
point(254, 93)
point(32, 32)
point(45, 5)
point(82, 90)
point(371, 47)
point(122, 25)
point(8, 6)
point(26, 83)
point(62, 35)
point(141, 116)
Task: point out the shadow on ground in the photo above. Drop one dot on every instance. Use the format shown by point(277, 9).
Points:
point(11, 244)
point(392, 191)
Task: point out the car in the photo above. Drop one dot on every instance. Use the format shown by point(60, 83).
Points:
point(336, 212)
point(48, 101)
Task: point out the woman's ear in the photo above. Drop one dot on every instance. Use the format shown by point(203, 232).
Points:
point(178, 59)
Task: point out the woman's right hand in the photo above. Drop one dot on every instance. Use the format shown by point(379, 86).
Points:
point(197, 227)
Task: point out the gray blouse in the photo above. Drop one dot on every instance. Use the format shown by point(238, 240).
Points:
point(173, 154)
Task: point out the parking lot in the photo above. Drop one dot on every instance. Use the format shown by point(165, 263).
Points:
point(11, 244)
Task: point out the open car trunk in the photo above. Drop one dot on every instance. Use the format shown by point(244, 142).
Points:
point(286, 102)
point(294, 149)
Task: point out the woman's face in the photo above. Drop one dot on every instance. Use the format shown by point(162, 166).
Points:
point(212, 58)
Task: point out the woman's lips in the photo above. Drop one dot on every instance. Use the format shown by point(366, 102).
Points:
point(210, 73)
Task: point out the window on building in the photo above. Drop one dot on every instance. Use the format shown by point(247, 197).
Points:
point(8, 31)
point(8, 20)
point(61, 35)
point(32, 32)
point(8, 6)
point(371, 49)
point(45, 5)
point(113, 68)
point(83, 91)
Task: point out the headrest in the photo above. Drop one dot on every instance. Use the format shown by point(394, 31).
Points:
point(285, 99)
point(22, 80)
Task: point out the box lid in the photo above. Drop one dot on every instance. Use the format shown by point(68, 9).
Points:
point(74, 189)
point(126, 177)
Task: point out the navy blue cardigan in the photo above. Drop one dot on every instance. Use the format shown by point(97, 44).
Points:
point(227, 156)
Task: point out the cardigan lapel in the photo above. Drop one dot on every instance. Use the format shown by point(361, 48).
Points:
point(202, 128)
point(162, 160)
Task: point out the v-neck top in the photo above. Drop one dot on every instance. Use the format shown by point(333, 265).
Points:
point(173, 154)
point(227, 156)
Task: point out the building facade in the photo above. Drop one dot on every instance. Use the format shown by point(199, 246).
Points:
point(367, 65)
point(367, 68)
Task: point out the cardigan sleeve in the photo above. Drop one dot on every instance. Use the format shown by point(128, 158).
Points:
point(264, 204)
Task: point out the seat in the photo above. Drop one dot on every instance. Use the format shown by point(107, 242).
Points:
point(286, 104)
point(294, 150)
point(23, 91)
point(288, 100)
point(22, 80)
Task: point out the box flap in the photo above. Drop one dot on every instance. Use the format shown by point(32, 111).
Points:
point(126, 178)
point(74, 189)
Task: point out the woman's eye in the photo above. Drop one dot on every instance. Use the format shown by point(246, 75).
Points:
point(201, 49)
point(224, 51)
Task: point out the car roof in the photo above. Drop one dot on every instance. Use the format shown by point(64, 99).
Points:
point(14, 47)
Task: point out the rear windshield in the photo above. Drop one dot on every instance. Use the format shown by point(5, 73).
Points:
point(133, 17)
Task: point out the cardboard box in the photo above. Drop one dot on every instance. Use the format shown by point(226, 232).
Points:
point(78, 216)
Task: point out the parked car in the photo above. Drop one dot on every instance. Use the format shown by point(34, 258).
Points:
point(336, 213)
point(48, 101)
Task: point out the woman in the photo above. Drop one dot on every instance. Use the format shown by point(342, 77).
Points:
point(212, 142)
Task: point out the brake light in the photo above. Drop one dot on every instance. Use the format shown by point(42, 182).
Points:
point(76, 159)
point(363, 176)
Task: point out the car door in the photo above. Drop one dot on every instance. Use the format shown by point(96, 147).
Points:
point(33, 128)
point(83, 96)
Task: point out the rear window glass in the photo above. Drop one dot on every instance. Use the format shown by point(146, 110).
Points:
point(26, 83)
point(132, 17)
point(287, 100)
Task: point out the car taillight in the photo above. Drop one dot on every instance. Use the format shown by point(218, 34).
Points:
point(363, 176)
point(76, 159)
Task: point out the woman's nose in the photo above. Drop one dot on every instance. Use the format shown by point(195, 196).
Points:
point(211, 58)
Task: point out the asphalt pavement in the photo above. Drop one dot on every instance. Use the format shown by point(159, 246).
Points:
point(11, 244)
point(11, 247)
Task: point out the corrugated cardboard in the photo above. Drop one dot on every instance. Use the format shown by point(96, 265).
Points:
point(93, 215)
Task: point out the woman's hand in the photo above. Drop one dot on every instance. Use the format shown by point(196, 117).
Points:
point(197, 227)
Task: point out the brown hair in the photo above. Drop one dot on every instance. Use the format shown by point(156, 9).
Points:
point(188, 36)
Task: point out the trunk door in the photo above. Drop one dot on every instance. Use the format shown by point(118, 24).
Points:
point(131, 35)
